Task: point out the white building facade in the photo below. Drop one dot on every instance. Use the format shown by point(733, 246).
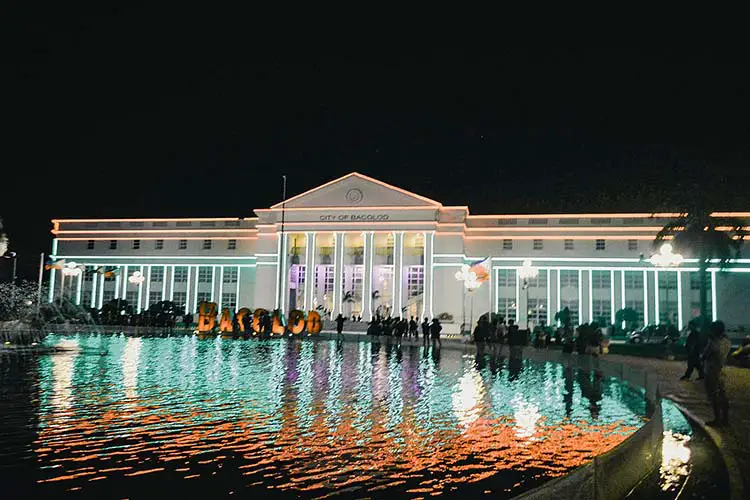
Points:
point(358, 246)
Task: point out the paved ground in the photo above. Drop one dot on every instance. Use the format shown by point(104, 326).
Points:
point(734, 440)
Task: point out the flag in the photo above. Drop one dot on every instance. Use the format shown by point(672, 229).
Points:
point(481, 268)
point(108, 273)
point(54, 264)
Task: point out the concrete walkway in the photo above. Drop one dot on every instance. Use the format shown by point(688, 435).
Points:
point(733, 441)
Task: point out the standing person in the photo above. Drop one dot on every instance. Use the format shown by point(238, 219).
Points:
point(340, 324)
point(512, 332)
point(502, 331)
point(187, 319)
point(694, 347)
point(413, 327)
point(435, 330)
point(714, 359)
point(425, 330)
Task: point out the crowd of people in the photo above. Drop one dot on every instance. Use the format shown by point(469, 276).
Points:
point(402, 328)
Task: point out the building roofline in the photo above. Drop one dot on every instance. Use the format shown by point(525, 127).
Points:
point(361, 176)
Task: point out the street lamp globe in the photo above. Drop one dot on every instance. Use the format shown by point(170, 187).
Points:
point(136, 278)
point(666, 257)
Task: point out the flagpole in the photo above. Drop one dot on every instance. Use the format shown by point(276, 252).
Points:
point(39, 285)
point(282, 256)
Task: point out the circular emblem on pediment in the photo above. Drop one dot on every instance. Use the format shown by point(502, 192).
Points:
point(354, 195)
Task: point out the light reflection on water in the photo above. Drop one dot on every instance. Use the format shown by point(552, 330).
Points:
point(310, 418)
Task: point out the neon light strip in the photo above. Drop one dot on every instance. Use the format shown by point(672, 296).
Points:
point(448, 264)
point(171, 286)
point(278, 270)
point(101, 291)
point(140, 294)
point(79, 285)
point(164, 283)
point(92, 302)
point(559, 294)
point(349, 223)
point(237, 292)
point(563, 237)
point(591, 297)
point(459, 255)
point(150, 231)
point(336, 279)
point(195, 294)
point(155, 257)
point(560, 229)
point(342, 269)
point(221, 286)
point(357, 174)
point(657, 306)
point(60, 221)
point(432, 273)
point(347, 209)
point(622, 294)
point(213, 285)
point(679, 300)
point(612, 297)
point(518, 298)
point(147, 272)
point(311, 272)
point(658, 215)
point(117, 285)
point(366, 275)
point(267, 264)
point(714, 305)
point(401, 275)
point(393, 276)
point(580, 295)
point(549, 293)
point(284, 274)
point(645, 297)
point(157, 238)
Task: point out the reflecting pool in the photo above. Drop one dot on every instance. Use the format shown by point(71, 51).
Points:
point(126, 417)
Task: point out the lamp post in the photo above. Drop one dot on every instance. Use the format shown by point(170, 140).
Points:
point(666, 258)
point(526, 272)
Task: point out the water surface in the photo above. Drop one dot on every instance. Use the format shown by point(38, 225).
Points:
point(125, 417)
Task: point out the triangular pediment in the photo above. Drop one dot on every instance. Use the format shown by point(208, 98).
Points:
point(357, 190)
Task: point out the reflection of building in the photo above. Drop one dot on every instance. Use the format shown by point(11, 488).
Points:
point(375, 247)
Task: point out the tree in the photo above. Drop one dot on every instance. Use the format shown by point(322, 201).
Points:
point(710, 239)
point(627, 315)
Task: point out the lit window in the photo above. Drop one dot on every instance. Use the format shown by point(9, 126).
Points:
point(507, 244)
point(506, 307)
point(600, 245)
point(183, 244)
point(569, 245)
point(112, 244)
point(415, 280)
point(538, 244)
point(204, 274)
point(90, 245)
point(136, 244)
point(230, 275)
point(232, 245)
point(506, 277)
point(204, 297)
point(180, 275)
point(154, 297)
point(633, 280)
point(632, 245)
point(159, 245)
point(157, 274)
point(179, 298)
point(569, 278)
point(206, 244)
point(600, 279)
point(229, 300)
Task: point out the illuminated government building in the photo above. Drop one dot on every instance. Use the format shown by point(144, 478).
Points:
point(358, 246)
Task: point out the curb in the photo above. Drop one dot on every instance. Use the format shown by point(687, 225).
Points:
point(735, 478)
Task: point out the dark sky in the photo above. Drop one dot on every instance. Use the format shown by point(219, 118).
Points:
point(128, 112)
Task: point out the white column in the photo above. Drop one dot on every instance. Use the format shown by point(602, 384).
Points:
point(368, 250)
point(612, 297)
point(283, 272)
point(100, 300)
point(398, 272)
point(79, 286)
point(429, 250)
point(221, 288)
point(94, 278)
point(117, 283)
point(309, 270)
point(125, 283)
point(147, 274)
point(657, 317)
point(237, 290)
point(213, 286)
point(679, 300)
point(338, 272)
point(714, 305)
point(140, 294)
point(171, 284)
point(645, 298)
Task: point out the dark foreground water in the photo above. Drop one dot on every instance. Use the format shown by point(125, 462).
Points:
point(120, 417)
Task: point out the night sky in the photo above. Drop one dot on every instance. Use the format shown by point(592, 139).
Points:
point(133, 112)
